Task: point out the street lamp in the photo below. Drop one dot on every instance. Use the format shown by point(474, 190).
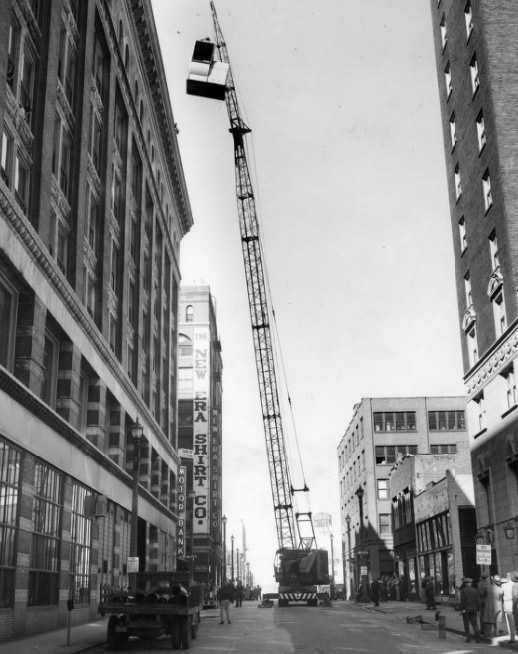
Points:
point(350, 581)
point(136, 431)
point(361, 555)
point(232, 559)
point(224, 521)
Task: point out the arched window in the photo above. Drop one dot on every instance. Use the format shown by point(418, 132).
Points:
point(189, 313)
point(184, 346)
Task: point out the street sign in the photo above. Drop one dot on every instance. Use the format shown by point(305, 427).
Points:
point(363, 570)
point(132, 564)
point(483, 554)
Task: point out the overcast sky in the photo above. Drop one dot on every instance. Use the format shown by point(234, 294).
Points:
point(347, 159)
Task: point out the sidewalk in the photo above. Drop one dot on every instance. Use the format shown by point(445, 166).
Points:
point(454, 621)
point(82, 637)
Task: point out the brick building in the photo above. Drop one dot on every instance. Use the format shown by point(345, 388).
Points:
point(93, 206)
point(476, 44)
point(381, 431)
point(433, 520)
point(200, 391)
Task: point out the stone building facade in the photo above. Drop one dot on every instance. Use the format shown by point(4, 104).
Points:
point(93, 206)
point(200, 399)
point(476, 45)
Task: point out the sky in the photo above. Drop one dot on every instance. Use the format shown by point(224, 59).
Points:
point(346, 155)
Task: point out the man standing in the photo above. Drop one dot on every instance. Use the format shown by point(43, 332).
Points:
point(470, 607)
point(225, 596)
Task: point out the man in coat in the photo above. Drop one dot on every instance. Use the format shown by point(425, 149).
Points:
point(225, 596)
point(470, 607)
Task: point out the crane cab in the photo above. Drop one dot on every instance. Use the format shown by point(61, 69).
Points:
point(206, 76)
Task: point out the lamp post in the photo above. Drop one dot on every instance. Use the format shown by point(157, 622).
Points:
point(137, 432)
point(224, 521)
point(349, 580)
point(232, 559)
point(361, 555)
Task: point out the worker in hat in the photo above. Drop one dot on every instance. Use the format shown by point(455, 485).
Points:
point(470, 608)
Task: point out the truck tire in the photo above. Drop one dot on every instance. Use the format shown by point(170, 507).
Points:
point(185, 631)
point(176, 641)
point(112, 637)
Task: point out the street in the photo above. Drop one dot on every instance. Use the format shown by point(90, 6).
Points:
point(343, 627)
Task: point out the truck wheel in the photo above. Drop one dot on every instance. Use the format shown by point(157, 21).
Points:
point(112, 637)
point(185, 630)
point(176, 641)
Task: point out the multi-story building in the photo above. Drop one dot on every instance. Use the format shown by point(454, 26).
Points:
point(476, 43)
point(433, 521)
point(381, 432)
point(93, 206)
point(200, 433)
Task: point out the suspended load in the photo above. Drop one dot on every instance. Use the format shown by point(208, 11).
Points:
point(207, 77)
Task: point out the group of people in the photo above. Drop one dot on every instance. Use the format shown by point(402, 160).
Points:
point(485, 607)
point(229, 593)
point(384, 588)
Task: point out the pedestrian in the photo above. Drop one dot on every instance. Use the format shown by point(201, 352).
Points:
point(395, 585)
point(240, 591)
point(375, 592)
point(470, 607)
point(429, 593)
point(493, 609)
point(514, 579)
point(507, 605)
point(225, 597)
point(482, 594)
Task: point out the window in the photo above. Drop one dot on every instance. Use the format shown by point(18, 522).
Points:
point(62, 253)
point(444, 33)
point(499, 313)
point(8, 300)
point(95, 145)
point(446, 421)
point(458, 186)
point(445, 448)
point(473, 69)
point(10, 462)
point(384, 523)
point(386, 421)
point(67, 65)
point(468, 18)
point(27, 83)
point(382, 489)
point(388, 454)
point(21, 182)
point(45, 545)
point(65, 165)
point(471, 340)
point(486, 190)
point(81, 528)
point(462, 234)
point(189, 313)
point(132, 315)
point(448, 80)
point(493, 249)
point(93, 223)
point(113, 335)
point(49, 373)
point(6, 160)
point(453, 134)
point(12, 53)
point(467, 290)
point(117, 200)
point(184, 346)
point(98, 67)
point(481, 131)
point(480, 412)
point(119, 128)
point(510, 387)
point(114, 275)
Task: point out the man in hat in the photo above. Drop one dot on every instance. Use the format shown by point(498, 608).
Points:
point(470, 607)
point(482, 586)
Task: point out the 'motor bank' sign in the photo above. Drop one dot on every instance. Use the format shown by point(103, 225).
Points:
point(201, 460)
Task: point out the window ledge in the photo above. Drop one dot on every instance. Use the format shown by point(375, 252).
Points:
point(510, 410)
point(479, 433)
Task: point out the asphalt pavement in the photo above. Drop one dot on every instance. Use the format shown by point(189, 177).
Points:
point(82, 638)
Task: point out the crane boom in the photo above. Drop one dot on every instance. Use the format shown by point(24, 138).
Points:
point(259, 314)
point(299, 568)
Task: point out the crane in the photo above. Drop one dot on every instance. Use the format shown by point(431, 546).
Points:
point(298, 564)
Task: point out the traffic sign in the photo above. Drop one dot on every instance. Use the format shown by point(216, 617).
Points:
point(483, 554)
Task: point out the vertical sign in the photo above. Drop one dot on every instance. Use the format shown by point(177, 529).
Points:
point(201, 433)
point(181, 496)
